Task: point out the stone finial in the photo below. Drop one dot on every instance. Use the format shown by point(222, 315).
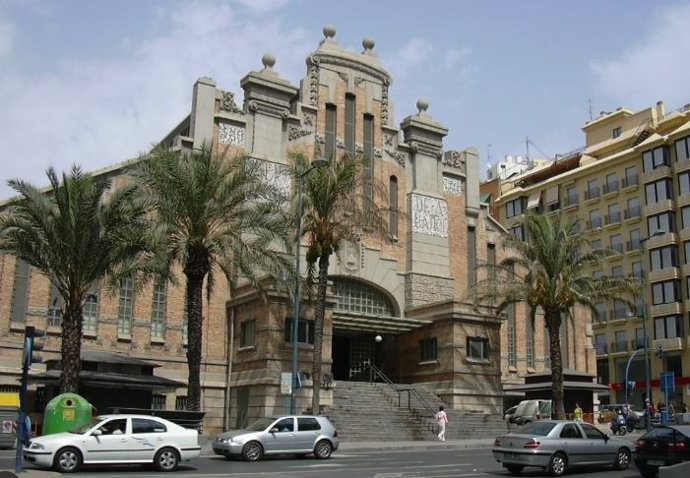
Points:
point(368, 44)
point(329, 31)
point(268, 60)
point(422, 106)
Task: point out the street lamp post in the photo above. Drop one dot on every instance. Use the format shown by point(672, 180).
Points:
point(645, 337)
point(316, 163)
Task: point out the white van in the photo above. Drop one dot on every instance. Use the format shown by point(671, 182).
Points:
point(530, 410)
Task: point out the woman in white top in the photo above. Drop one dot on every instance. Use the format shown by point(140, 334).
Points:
point(441, 419)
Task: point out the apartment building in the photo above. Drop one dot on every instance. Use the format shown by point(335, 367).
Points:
point(630, 189)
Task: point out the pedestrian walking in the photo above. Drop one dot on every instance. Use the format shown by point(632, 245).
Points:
point(577, 413)
point(441, 419)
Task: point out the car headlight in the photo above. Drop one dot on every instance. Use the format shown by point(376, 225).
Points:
point(36, 446)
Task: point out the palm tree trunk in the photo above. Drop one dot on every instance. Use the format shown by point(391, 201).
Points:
point(71, 347)
point(195, 281)
point(553, 325)
point(318, 333)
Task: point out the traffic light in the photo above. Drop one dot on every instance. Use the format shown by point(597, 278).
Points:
point(31, 346)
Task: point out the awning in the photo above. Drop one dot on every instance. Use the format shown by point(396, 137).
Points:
point(552, 195)
point(113, 380)
point(567, 384)
point(534, 200)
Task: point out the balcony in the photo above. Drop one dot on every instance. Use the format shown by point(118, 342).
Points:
point(594, 223)
point(570, 201)
point(619, 347)
point(633, 213)
point(613, 218)
point(633, 246)
point(636, 344)
point(631, 181)
point(617, 247)
point(669, 345)
point(611, 188)
point(602, 349)
point(592, 193)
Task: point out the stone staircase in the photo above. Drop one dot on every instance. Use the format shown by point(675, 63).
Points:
point(364, 411)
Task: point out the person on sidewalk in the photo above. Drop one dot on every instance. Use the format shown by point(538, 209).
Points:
point(441, 419)
point(577, 413)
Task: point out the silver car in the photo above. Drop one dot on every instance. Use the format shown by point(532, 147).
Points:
point(556, 445)
point(296, 435)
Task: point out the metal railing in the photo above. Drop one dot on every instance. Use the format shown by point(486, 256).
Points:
point(421, 414)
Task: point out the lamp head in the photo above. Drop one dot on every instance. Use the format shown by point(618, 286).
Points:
point(378, 339)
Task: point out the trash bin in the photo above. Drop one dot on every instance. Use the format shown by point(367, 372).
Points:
point(66, 412)
point(9, 410)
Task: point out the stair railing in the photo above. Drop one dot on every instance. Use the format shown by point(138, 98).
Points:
point(376, 375)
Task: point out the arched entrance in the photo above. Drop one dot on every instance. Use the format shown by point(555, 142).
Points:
point(359, 311)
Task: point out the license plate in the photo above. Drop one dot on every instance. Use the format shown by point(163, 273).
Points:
point(655, 462)
point(513, 456)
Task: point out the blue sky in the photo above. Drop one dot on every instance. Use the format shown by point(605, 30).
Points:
point(96, 82)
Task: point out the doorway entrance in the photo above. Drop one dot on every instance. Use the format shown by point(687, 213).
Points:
point(350, 352)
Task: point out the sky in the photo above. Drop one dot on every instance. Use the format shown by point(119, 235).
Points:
point(95, 83)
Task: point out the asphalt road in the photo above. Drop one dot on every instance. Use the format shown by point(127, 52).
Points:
point(464, 463)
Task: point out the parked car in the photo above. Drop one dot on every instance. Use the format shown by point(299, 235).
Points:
point(116, 439)
point(509, 414)
point(557, 445)
point(297, 435)
point(663, 445)
point(530, 410)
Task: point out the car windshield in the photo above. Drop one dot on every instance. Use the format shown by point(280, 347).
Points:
point(537, 428)
point(260, 424)
point(87, 426)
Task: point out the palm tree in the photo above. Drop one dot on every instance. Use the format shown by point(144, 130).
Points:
point(551, 272)
point(212, 209)
point(75, 236)
point(341, 203)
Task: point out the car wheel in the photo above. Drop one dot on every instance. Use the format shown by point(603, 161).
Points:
point(557, 464)
point(622, 459)
point(67, 460)
point(252, 451)
point(323, 449)
point(166, 459)
point(514, 469)
point(648, 471)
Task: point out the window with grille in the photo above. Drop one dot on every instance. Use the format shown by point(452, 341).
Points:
point(20, 292)
point(512, 336)
point(181, 403)
point(159, 308)
point(305, 331)
point(357, 297)
point(55, 307)
point(158, 402)
point(368, 156)
point(530, 343)
point(350, 114)
point(428, 350)
point(478, 348)
point(126, 306)
point(330, 132)
point(90, 323)
point(247, 331)
point(393, 193)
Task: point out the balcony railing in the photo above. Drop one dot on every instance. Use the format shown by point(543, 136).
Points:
point(592, 193)
point(633, 246)
point(601, 348)
point(620, 346)
point(618, 247)
point(631, 181)
point(594, 223)
point(611, 187)
point(633, 212)
point(571, 200)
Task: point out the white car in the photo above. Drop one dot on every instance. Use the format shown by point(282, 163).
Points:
point(116, 439)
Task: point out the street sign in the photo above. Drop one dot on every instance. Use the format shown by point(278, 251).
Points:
point(286, 383)
point(668, 382)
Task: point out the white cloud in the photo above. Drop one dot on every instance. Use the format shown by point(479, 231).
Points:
point(456, 57)
point(652, 69)
point(261, 6)
point(410, 57)
point(97, 113)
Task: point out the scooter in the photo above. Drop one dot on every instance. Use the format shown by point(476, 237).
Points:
point(618, 426)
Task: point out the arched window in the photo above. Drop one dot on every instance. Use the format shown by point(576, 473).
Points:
point(359, 298)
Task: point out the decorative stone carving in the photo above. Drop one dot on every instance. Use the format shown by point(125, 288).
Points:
point(359, 149)
point(349, 255)
point(296, 132)
point(384, 103)
point(340, 144)
point(429, 215)
point(227, 102)
point(276, 174)
point(425, 148)
point(454, 159)
point(319, 140)
point(359, 80)
point(388, 139)
point(314, 80)
point(378, 154)
point(269, 110)
point(398, 156)
point(343, 76)
point(231, 134)
point(309, 120)
point(453, 186)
